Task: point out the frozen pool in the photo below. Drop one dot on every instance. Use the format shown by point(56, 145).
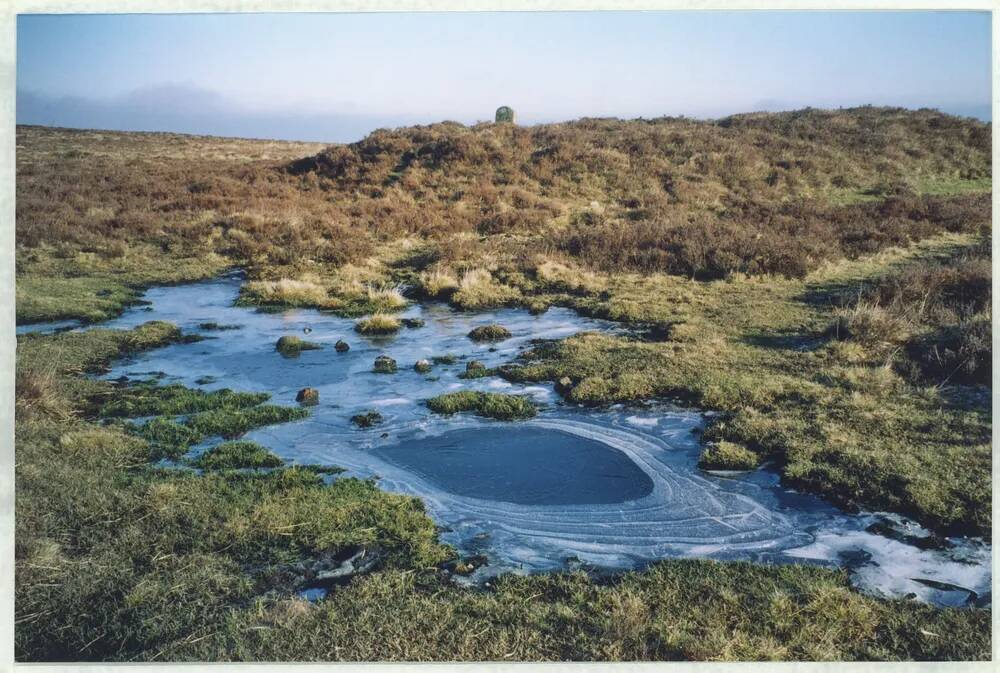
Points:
point(615, 488)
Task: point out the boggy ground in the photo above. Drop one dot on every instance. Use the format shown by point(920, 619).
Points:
point(121, 558)
point(775, 290)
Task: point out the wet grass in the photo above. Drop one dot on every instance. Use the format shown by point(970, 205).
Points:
point(491, 405)
point(235, 422)
point(148, 399)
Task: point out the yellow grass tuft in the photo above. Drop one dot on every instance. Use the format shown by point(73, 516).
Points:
point(287, 291)
point(479, 290)
point(380, 323)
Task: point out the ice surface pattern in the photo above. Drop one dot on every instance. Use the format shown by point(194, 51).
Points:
point(633, 495)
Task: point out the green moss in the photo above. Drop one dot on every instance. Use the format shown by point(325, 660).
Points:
point(491, 405)
point(446, 359)
point(235, 455)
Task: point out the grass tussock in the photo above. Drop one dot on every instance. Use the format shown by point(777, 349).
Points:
point(932, 322)
point(236, 455)
point(490, 333)
point(491, 405)
point(284, 292)
point(478, 290)
point(438, 284)
point(725, 455)
point(378, 324)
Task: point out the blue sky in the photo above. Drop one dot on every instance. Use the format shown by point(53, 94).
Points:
point(334, 77)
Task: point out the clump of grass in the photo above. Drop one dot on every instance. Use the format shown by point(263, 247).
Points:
point(478, 290)
point(491, 405)
point(475, 369)
point(293, 345)
point(231, 423)
point(378, 324)
point(446, 359)
point(37, 395)
point(385, 298)
point(438, 284)
point(168, 438)
point(560, 277)
point(870, 325)
point(284, 292)
point(236, 455)
point(148, 399)
point(367, 419)
point(725, 455)
point(490, 333)
point(931, 322)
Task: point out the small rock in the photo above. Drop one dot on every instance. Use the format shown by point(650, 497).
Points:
point(385, 365)
point(341, 346)
point(308, 397)
point(307, 330)
point(564, 385)
point(412, 323)
point(422, 366)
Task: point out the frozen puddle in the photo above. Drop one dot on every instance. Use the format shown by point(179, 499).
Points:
point(615, 488)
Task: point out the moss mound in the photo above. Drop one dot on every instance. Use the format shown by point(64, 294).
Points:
point(293, 345)
point(490, 333)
